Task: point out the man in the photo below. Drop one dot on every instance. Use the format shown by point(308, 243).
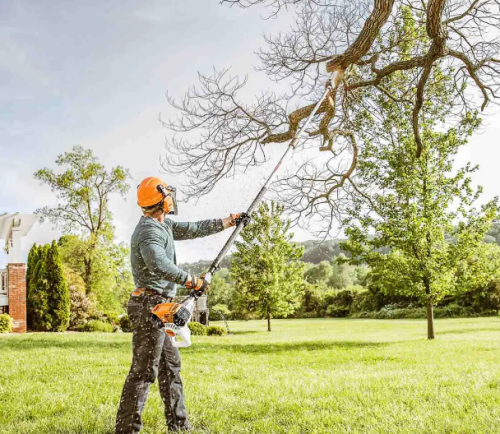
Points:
point(156, 275)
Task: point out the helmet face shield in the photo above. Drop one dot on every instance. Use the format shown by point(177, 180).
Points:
point(170, 199)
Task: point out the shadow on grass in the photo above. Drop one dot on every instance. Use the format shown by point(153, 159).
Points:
point(469, 330)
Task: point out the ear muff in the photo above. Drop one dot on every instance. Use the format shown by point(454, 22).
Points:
point(169, 199)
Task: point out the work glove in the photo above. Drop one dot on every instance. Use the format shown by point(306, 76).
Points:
point(198, 284)
point(236, 219)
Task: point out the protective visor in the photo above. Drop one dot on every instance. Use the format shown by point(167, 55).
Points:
point(169, 192)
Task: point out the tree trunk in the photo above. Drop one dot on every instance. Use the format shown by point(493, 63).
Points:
point(430, 321)
point(268, 321)
point(87, 278)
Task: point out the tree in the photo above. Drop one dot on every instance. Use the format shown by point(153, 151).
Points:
point(37, 297)
point(31, 283)
point(221, 293)
point(58, 299)
point(111, 273)
point(321, 273)
point(83, 190)
point(368, 44)
point(48, 304)
point(343, 274)
point(266, 267)
point(421, 207)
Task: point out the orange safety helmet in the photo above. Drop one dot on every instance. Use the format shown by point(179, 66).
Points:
point(153, 191)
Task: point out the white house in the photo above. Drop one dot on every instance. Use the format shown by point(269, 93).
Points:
point(13, 278)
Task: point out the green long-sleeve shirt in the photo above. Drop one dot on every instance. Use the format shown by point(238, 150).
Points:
point(152, 251)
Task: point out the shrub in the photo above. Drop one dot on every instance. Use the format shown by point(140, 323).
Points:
point(450, 311)
point(126, 324)
point(96, 326)
point(364, 301)
point(5, 323)
point(337, 311)
point(111, 318)
point(80, 305)
point(197, 329)
point(216, 331)
point(340, 302)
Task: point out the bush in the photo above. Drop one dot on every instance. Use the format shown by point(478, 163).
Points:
point(339, 302)
point(337, 311)
point(96, 326)
point(450, 311)
point(216, 331)
point(364, 301)
point(197, 329)
point(126, 324)
point(81, 306)
point(111, 318)
point(5, 323)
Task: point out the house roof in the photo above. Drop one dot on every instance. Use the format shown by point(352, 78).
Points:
point(22, 223)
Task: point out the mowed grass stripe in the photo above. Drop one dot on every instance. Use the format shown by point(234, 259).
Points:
point(307, 376)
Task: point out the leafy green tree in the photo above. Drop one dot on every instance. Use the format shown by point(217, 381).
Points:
point(266, 267)
point(83, 190)
point(111, 276)
point(417, 201)
point(221, 294)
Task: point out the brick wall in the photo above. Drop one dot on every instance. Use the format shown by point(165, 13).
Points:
point(17, 296)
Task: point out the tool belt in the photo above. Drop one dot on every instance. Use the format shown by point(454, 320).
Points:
point(144, 291)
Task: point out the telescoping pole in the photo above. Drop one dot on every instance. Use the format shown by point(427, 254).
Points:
point(262, 192)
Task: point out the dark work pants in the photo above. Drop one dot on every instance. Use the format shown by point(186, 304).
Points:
point(153, 355)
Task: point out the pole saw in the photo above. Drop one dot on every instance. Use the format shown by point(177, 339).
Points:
point(174, 317)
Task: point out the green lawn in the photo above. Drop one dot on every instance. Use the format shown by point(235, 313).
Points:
point(307, 376)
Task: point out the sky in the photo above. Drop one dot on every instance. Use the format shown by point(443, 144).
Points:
point(95, 74)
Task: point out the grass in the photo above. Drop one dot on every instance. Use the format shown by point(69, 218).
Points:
point(307, 376)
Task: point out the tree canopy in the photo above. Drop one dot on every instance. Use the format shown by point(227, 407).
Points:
point(368, 44)
point(83, 190)
point(266, 268)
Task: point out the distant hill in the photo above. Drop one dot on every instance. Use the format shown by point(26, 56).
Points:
point(317, 251)
point(493, 235)
point(314, 252)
